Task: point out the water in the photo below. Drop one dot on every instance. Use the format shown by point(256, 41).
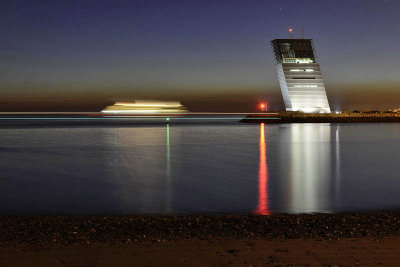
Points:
point(236, 168)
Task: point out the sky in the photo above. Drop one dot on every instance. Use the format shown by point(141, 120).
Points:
point(211, 55)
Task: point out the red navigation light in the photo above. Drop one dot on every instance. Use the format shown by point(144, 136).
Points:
point(263, 106)
point(290, 30)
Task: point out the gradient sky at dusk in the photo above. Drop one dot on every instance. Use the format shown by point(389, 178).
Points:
point(83, 54)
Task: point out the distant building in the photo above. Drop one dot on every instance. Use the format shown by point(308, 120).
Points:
point(300, 76)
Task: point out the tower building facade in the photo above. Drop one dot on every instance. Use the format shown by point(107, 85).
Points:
point(300, 76)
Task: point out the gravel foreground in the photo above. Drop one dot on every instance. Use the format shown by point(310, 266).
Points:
point(342, 239)
point(70, 230)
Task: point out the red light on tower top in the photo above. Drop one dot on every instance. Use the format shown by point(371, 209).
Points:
point(290, 30)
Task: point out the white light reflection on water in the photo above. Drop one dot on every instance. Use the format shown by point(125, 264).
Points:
point(309, 168)
point(139, 169)
point(337, 167)
point(168, 175)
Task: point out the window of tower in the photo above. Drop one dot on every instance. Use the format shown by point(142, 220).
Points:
point(285, 46)
point(305, 86)
point(304, 60)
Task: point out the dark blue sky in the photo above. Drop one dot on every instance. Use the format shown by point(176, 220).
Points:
point(189, 49)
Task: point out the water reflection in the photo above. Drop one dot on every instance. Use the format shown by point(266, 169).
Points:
point(263, 207)
point(200, 169)
point(309, 168)
point(337, 166)
point(138, 169)
point(168, 174)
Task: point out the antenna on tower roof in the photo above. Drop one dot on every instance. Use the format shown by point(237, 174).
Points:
point(290, 33)
point(302, 32)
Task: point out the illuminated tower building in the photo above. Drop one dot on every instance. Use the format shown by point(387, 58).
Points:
point(300, 76)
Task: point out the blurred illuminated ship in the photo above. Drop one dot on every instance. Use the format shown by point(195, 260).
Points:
point(146, 107)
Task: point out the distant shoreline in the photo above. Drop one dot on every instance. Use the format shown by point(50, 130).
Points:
point(14, 120)
point(296, 117)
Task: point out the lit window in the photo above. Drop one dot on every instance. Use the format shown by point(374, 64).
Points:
point(309, 70)
point(289, 60)
point(304, 60)
point(305, 86)
point(294, 70)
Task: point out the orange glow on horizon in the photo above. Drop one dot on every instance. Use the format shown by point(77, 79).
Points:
point(263, 207)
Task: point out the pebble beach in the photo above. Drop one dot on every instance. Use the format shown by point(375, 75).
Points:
point(70, 239)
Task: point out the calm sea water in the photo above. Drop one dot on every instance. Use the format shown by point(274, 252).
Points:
point(173, 169)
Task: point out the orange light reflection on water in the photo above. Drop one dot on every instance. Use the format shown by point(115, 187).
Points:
point(263, 207)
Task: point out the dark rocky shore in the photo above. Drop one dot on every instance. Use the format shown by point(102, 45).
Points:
point(73, 230)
